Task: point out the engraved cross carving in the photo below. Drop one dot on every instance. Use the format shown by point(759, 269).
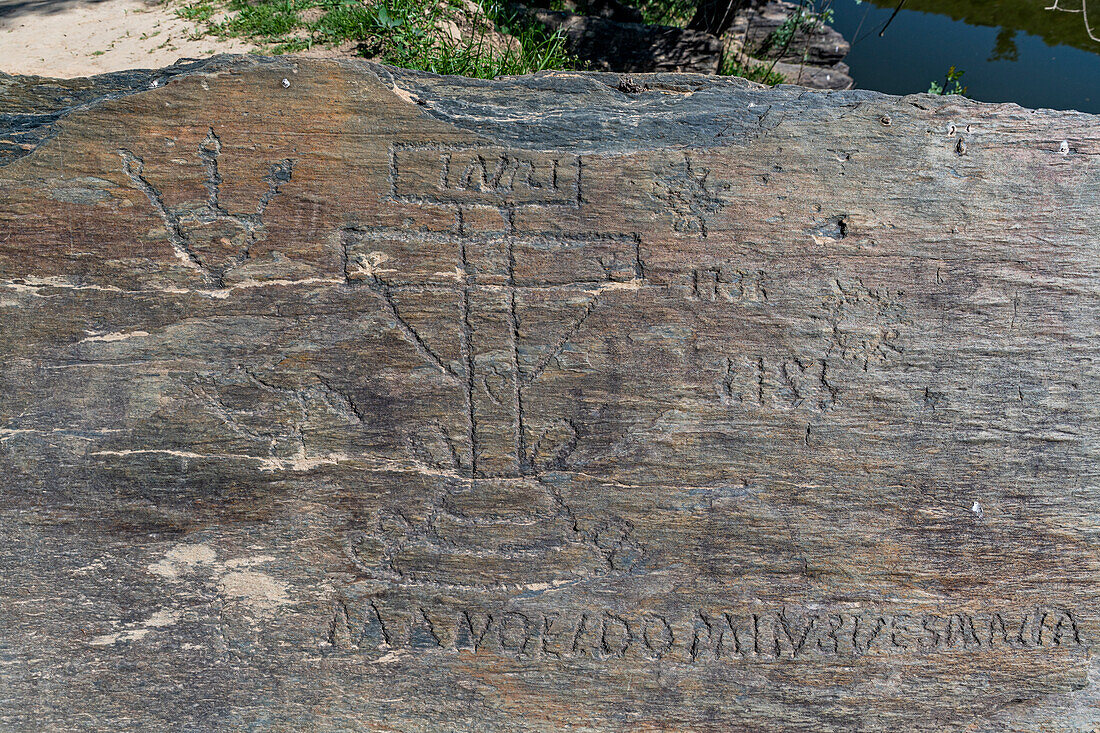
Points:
point(495, 276)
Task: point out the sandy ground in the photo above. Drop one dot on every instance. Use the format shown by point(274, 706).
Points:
point(66, 38)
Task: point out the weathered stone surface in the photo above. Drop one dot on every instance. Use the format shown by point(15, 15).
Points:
point(824, 46)
point(809, 59)
point(609, 45)
point(806, 75)
point(374, 400)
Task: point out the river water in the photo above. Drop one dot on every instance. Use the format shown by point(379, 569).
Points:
point(1010, 50)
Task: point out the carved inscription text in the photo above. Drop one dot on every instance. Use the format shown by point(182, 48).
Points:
point(700, 636)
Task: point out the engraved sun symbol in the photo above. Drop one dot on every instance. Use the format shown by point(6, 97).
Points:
point(689, 196)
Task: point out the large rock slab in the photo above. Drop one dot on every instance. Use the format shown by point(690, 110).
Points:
point(339, 397)
point(810, 57)
point(809, 42)
point(606, 44)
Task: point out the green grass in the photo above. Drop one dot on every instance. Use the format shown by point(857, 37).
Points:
point(665, 12)
point(408, 33)
point(278, 19)
point(404, 33)
point(199, 12)
point(807, 21)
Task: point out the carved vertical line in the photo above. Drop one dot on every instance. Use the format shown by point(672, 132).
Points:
point(393, 172)
point(445, 173)
point(210, 149)
point(517, 388)
point(576, 182)
point(466, 344)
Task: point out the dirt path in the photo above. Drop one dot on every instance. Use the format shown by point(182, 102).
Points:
point(66, 38)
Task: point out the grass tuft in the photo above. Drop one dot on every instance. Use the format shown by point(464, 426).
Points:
point(408, 33)
point(666, 12)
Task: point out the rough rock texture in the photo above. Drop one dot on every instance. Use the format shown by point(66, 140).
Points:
point(609, 45)
point(816, 77)
point(338, 397)
point(810, 58)
point(823, 46)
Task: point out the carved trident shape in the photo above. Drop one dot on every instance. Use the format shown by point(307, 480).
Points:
point(205, 235)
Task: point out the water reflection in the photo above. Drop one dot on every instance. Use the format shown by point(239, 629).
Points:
point(1038, 53)
point(1083, 10)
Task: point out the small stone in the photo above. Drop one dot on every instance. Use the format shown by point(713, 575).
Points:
point(450, 30)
